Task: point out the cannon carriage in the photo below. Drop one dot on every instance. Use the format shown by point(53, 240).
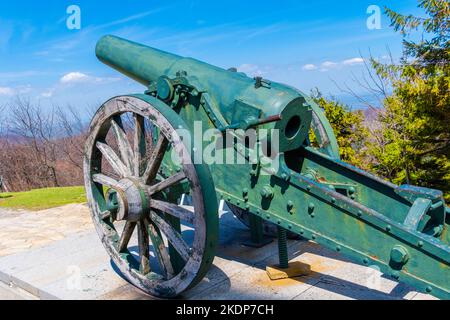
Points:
point(143, 153)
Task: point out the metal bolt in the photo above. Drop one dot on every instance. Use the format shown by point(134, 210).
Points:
point(282, 248)
point(399, 255)
point(267, 192)
point(290, 205)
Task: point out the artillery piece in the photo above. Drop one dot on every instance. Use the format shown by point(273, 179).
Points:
point(138, 163)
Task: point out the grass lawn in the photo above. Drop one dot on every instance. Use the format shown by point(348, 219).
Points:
point(41, 199)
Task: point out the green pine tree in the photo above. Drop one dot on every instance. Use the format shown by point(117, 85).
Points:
point(415, 125)
point(348, 128)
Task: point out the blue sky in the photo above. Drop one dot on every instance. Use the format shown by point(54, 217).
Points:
point(306, 44)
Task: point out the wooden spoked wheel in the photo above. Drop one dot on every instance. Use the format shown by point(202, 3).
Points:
point(159, 246)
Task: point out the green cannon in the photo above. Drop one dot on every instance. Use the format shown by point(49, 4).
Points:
point(146, 151)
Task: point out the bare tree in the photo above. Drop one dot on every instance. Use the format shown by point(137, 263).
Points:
point(35, 130)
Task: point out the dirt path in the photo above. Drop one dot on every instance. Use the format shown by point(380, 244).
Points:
point(23, 230)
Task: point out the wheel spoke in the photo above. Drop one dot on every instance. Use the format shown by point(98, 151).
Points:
point(126, 236)
point(156, 159)
point(144, 253)
point(160, 250)
point(166, 183)
point(113, 159)
point(174, 237)
point(105, 215)
point(174, 210)
point(122, 141)
point(139, 143)
point(106, 181)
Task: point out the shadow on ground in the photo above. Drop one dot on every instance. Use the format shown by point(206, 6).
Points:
point(252, 263)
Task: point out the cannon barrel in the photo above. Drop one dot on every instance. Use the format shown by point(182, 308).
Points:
point(235, 95)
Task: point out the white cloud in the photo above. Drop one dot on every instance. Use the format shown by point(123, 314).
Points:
point(329, 64)
point(49, 93)
point(353, 61)
point(79, 77)
point(6, 91)
point(251, 69)
point(309, 67)
point(74, 77)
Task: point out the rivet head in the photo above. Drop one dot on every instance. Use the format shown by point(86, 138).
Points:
point(351, 190)
point(399, 254)
point(388, 228)
point(311, 207)
point(245, 192)
point(313, 236)
point(420, 244)
point(360, 213)
point(338, 248)
point(366, 261)
point(395, 275)
point(429, 289)
point(333, 200)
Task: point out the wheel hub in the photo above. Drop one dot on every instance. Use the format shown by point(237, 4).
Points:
point(133, 201)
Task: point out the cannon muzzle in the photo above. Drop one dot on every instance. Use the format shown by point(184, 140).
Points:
point(238, 100)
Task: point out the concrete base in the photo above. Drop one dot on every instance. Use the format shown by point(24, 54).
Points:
point(75, 266)
point(296, 269)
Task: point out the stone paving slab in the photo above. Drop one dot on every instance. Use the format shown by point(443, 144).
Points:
point(76, 266)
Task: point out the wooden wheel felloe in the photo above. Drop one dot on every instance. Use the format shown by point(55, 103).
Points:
point(132, 187)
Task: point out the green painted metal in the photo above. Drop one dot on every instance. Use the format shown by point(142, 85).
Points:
point(403, 230)
point(282, 248)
